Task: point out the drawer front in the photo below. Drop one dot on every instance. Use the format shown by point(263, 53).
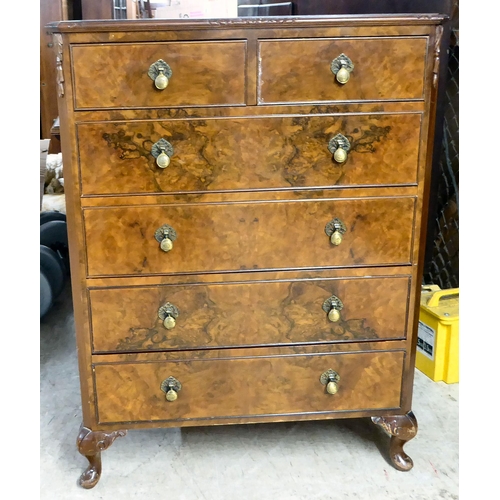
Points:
point(247, 314)
point(246, 236)
point(384, 69)
point(116, 75)
point(247, 386)
point(248, 153)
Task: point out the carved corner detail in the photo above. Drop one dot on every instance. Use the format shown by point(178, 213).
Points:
point(401, 428)
point(437, 54)
point(90, 444)
point(248, 21)
point(58, 44)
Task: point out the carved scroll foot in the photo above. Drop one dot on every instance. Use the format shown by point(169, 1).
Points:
point(90, 444)
point(401, 428)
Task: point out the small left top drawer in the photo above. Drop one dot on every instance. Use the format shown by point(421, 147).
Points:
point(155, 75)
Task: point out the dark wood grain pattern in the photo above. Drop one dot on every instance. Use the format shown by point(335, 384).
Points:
point(205, 73)
point(251, 153)
point(248, 236)
point(126, 319)
point(384, 68)
point(255, 386)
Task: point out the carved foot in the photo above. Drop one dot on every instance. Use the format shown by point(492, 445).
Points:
point(401, 428)
point(90, 444)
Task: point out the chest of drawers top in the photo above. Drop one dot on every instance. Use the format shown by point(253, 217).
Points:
point(248, 61)
point(248, 104)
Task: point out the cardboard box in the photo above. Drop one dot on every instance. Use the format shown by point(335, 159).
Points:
point(195, 9)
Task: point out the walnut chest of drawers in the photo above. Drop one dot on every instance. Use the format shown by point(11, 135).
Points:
point(246, 203)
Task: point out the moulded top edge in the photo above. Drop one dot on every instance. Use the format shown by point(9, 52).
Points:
point(245, 22)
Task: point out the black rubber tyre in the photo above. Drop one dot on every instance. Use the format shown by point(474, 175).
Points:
point(53, 267)
point(54, 234)
point(46, 296)
point(50, 216)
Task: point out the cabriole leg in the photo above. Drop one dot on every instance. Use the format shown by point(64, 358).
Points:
point(401, 428)
point(90, 444)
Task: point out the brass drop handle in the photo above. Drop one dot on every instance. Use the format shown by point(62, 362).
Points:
point(162, 151)
point(339, 146)
point(335, 229)
point(168, 313)
point(331, 379)
point(342, 68)
point(165, 236)
point(160, 72)
point(332, 306)
point(171, 386)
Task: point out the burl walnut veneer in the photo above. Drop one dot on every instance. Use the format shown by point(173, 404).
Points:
point(246, 206)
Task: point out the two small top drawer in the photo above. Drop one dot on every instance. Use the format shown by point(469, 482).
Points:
point(215, 73)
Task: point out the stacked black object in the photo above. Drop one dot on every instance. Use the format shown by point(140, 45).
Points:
point(54, 258)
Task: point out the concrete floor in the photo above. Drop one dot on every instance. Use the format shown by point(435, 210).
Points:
point(333, 460)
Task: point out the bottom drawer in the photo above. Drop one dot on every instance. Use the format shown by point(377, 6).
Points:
point(247, 386)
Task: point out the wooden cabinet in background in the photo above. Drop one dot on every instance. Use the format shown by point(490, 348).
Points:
point(50, 11)
point(63, 10)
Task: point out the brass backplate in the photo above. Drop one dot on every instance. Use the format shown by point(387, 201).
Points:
point(332, 302)
point(335, 225)
point(157, 67)
point(170, 383)
point(341, 61)
point(168, 309)
point(339, 141)
point(165, 231)
point(162, 146)
point(329, 376)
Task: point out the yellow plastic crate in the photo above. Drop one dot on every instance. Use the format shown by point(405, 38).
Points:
point(437, 343)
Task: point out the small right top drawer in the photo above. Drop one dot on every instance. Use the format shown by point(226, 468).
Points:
point(390, 68)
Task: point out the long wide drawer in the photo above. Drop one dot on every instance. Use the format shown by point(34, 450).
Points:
point(248, 314)
point(248, 153)
point(246, 236)
point(241, 387)
point(385, 68)
point(203, 74)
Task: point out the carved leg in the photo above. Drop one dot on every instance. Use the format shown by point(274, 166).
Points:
point(90, 444)
point(401, 428)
